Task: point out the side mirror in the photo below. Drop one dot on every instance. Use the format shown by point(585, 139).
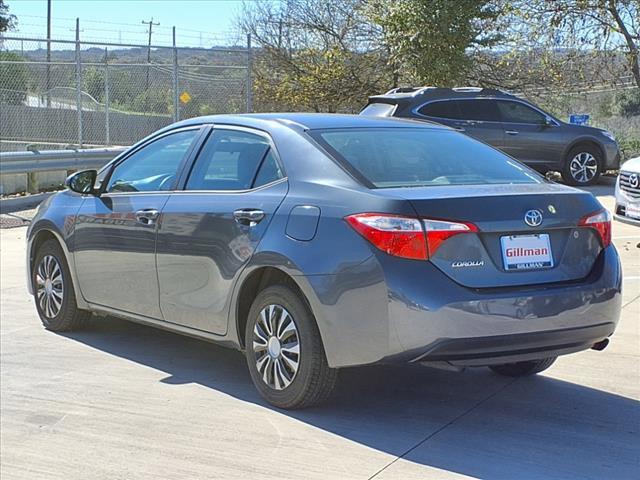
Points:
point(548, 122)
point(82, 182)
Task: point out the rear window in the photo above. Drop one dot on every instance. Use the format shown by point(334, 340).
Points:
point(441, 109)
point(378, 110)
point(409, 157)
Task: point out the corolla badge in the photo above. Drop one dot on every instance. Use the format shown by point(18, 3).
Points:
point(533, 218)
point(468, 263)
point(634, 180)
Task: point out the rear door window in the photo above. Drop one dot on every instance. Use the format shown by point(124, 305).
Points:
point(516, 112)
point(410, 157)
point(441, 109)
point(234, 160)
point(479, 110)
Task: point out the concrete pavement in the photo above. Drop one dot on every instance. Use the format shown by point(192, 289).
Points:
point(120, 400)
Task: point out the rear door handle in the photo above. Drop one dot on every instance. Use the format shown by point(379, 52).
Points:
point(148, 216)
point(248, 216)
point(511, 132)
point(459, 129)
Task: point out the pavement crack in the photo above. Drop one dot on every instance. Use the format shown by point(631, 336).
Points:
point(631, 301)
point(449, 423)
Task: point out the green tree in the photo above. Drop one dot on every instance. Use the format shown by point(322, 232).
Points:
point(432, 40)
point(7, 21)
point(94, 83)
point(14, 79)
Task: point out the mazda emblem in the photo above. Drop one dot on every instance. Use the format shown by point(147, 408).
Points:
point(533, 218)
point(634, 180)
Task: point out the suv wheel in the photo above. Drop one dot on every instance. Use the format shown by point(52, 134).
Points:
point(284, 351)
point(522, 369)
point(53, 290)
point(582, 166)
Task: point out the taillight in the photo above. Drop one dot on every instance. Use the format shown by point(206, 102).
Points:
point(600, 221)
point(440, 230)
point(406, 237)
point(393, 234)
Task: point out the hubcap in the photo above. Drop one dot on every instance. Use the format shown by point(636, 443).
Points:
point(583, 167)
point(276, 346)
point(49, 286)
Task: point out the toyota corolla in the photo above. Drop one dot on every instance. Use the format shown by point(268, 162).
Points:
point(314, 242)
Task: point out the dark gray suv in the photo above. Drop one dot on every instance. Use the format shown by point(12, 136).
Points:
point(511, 124)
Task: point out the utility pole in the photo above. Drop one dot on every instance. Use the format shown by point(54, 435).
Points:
point(151, 24)
point(48, 80)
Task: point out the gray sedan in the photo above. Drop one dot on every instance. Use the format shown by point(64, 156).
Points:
point(314, 242)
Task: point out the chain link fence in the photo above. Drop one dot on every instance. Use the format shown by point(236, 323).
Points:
point(84, 94)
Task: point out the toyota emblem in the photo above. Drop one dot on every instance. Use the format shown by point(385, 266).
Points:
point(634, 180)
point(533, 218)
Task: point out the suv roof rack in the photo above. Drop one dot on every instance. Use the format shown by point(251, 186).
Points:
point(419, 90)
point(414, 90)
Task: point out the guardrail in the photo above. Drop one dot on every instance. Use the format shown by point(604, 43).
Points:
point(53, 160)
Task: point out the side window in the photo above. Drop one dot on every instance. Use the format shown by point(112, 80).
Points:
point(516, 112)
point(153, 167)
point(478, 109)
point(440, 109)
point(269, 170)
point(233, 160)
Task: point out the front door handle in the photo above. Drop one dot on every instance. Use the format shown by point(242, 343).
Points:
point(511, 132)
point(148, 216)
point(248, 216)
point(459, 129)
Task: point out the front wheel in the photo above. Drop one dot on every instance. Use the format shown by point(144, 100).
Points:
point(284, 351)
point(582, 167)
point(53, 290)
point(522, 369)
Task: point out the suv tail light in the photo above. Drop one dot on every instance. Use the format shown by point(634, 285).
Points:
point(406, 237)
point(600, 221)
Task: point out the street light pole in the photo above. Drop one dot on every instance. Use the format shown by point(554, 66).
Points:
point(48, 80)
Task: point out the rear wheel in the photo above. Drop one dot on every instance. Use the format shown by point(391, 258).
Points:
point(284, 351)
point(53, 290)
point(522, 369)
point(582, 166)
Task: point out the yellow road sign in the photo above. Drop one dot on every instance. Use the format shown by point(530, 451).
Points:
point(185, 97)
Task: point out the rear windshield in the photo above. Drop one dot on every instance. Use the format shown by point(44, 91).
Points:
point(378, 110)
point(410, 157)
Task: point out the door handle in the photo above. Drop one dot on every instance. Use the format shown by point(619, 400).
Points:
point(148, 216)
point(511, 132)
point(459, 129)
point(248, 216)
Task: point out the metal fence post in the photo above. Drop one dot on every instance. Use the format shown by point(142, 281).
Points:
point(249, 73)
point(106, 97)
point(78, 83)
point(176, 103)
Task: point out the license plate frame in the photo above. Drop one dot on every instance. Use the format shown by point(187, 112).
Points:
point(528, 252)
point(633, 211)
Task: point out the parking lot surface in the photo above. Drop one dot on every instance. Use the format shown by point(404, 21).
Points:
point(123, 401)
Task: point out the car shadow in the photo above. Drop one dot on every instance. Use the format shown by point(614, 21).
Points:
point(496, 427)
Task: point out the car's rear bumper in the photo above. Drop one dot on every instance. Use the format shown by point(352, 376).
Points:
point(378, 313)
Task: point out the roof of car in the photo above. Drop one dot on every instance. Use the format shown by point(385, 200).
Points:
point(416, 94)
point(310, 121)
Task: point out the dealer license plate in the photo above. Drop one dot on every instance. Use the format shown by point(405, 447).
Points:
point(526, 252)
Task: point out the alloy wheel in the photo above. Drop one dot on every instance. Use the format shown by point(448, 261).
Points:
point(49, 286)
point(583, 167)
point(276, 345)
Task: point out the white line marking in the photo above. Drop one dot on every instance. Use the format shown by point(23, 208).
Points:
point(626, 236)
point(636, 277)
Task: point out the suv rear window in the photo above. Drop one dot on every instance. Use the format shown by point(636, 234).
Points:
point(409, 157)
point(482, 110)
point(378, 110)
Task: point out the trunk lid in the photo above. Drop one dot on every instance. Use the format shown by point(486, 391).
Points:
point(492, 257)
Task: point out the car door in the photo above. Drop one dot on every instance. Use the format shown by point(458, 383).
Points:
point(530, 136)
point(115, 232)
point(210, 229)
point(479, 118)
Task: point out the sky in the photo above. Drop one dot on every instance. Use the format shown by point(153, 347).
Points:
point(197, 22)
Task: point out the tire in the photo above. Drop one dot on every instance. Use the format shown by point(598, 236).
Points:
point(58, 313)
point(588, 156)
point(270, 357)
point(522, 369)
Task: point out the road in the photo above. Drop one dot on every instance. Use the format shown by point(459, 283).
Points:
point(123, 401)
